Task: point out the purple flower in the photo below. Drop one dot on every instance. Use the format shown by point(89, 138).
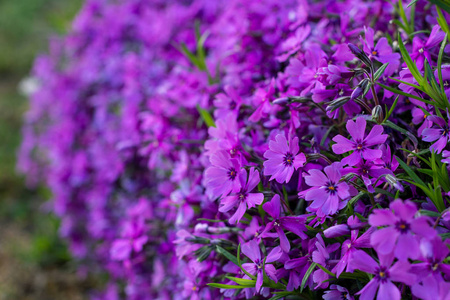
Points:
point(337, 292)
point(381, 51)
point(440, 134)
point(402, 231)
point(359, 144)
point(321, 256)
point(223, 176)
point(421, 50)
point(326, 190)
point(244, 198)
point(283, 159)
point(433, 252)
point(349, 246)
point(251, 250)
point(384, 275)
point(295, 224)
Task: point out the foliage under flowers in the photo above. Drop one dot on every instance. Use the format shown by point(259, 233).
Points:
point(237, 149)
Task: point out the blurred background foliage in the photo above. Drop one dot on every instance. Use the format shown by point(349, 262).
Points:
point(34, 262)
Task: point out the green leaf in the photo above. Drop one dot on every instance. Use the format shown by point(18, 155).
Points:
point(380, 71)
point(445, 5)
point(226, 286)
point(403, 131)
point(410, 172)
point(326, 270)
point(206, 116)
point(411, 3)
point(439, 64)
point(392, 109)
point(411, 65)
point(239, 263)
point(429, 213)
point(397, 91)
point(227, 254)
point(242, 281)
point(307, 274)
point(353, 200)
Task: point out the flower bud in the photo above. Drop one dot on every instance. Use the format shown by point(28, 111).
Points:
point(356, 93)
point(394, 182)
point(281, 101)
point(337, 230)
point(377, 114)
point(203, 253)
point(197, 240)
point(335, 104)
point(360, 54)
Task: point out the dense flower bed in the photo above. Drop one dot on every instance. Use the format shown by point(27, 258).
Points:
point(234, 149)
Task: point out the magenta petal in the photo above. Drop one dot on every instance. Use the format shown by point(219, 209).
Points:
point(295, 225)
point(382, 217)
point(273, 207)
point(238, 214)
point(251, 250)
point(316, 195)
point(407, 247)
point(371, 154)
point(342, 145)
point(284, 242)
point(375, 136)
point(405, 210)
point(333, 173)
point(253, 179)
point(228, 203)
point(274, 255)
point(316, 178)
point(296, 262)
point(363, 261)
point(271, 272)
point(259, 281)
point(357, 129)
point(353, 159)
point(400, 272)
point(422, 227)
point(388, 290)
point(368, 292)
point(384, 240)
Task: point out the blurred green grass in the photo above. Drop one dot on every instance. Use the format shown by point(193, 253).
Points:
point(29, 233)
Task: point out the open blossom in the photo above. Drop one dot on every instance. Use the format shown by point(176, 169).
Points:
point(382, 51)
point(441, 135)
point(351, 245)
point(327, 191)
point(295, 224)
point(359, 144)
point(384, 274)
point(283, 159)
point(422, 50)
point(244, 199)
point(400, 236)
point(257, 267)
point(223, 176)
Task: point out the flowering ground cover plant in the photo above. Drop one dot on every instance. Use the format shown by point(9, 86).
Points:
point(250, 149)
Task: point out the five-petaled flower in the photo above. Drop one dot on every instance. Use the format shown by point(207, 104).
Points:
point(283, 159)
point(244, 198)
point(359, 144)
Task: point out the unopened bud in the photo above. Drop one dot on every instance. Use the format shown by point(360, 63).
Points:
point(203, 253)
point(394, 182)
point(335, 231)
point(360, 54)
point(377, 114)
point(336, 103)
point(197, 240)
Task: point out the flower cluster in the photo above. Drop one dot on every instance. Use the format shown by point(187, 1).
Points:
point(237, 149)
